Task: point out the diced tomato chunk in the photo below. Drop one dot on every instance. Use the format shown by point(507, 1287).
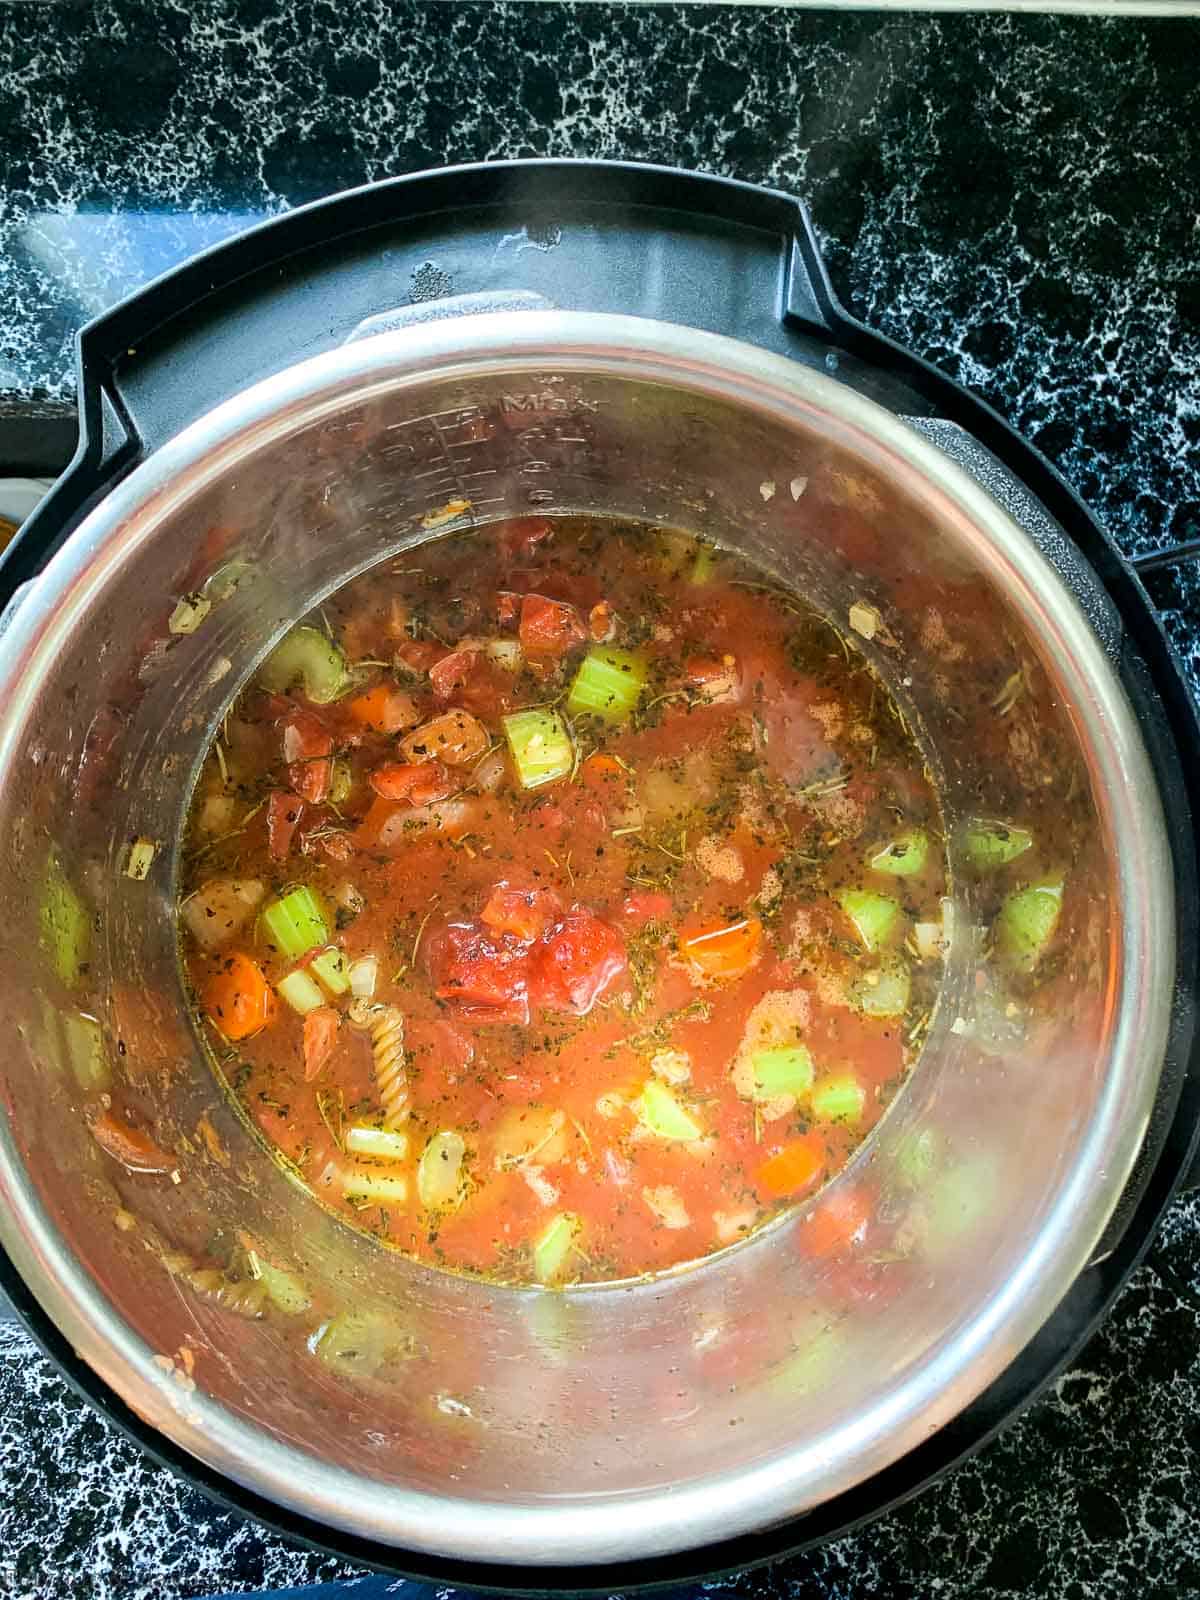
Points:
point(646, 905)
point(715, 678)
point(523, 913)
point(419, 782)
point(284, 811)
point(549, 816)
point(418, 655)
point(307, 748)
point(452, 671)
point(508, 607)
point(842, 1218)
point(582, 960)
point(520, 536)
point(470, 965)
point(338, 846)
point(549, 628)
point(320, 1036)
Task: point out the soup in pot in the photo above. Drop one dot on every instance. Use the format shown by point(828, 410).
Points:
point(551, 900)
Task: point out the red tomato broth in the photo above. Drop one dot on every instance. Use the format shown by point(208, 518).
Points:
point(758, 808)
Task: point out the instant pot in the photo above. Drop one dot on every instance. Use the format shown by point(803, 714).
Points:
point(402, 362)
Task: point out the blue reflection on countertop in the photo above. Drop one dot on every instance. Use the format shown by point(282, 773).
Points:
point(85, 261)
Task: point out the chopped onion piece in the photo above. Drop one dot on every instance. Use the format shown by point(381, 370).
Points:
point(440, 1171)
point(364, 974)
point(188, 614)
point(141, 858)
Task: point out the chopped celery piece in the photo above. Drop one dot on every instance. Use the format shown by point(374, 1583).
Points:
point(705, 563)
point(1026, 924)
point(284, 1289)
point(341, 781)
point(384, 1144)
point(65, 926)
point(440, 1171)
point(312, 657)
point(956, 1203)
point(541, 746)
point(85, 1050)
point(660, 1113)
point(141, 859)
point(884, 992)
point(874, 915)
point(839, 1099)
point(998, 1023)
point(904, 857)
point(362, 1342)
point(608, 685)
point(300, 992)
point(369, 1186)
point(554, 1246)
point(994, 844)
point(783, 1069)
point(330, 967)
point(816, 1350)
point(930, 940)
point(916, 1157)
point(295, 923)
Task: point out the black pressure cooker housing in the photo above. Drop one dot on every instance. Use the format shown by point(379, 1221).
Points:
point(679, 247)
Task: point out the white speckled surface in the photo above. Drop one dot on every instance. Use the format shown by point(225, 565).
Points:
point(1014, 197)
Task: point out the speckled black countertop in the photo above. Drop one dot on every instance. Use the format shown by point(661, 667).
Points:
point(1015, 197)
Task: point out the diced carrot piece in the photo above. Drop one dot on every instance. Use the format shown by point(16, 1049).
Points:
point(418, 782)
point(130, 1146)
point(385, 709)
point(284, 811)
point(841, 1219)
point(508, 607)
point(549, 628)
point(794, 1168)
point(602, 773)
point(452, 671)
point(601, 623)
point(238, 997)
point(455, 737)
point(307, 748)
point(525, 913)
point(719, 949)
point(320, 1036)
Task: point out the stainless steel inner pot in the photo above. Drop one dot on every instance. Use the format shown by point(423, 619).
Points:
point(488, 1423)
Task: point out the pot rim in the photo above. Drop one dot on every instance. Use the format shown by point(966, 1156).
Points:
point(596, 1530)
